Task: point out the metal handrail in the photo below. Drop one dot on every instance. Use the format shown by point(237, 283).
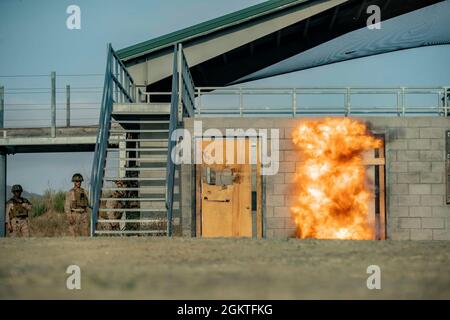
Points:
point(170, 169)
point(346, 108)
point(181, 104)
point(117, 82)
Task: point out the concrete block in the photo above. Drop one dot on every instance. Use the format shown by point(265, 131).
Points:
point(278, 178)
point(433, 223)
point(397, 167)
point(290, 223)
point(409, 223)
point(432, 155)
point(283, 233)
point(405, 133)
point(290, 178)
point(399, 144)
point(438, 166)
point(269, 212)
point(419, 122)
point(441, 212)
point(408, 177)
point(420, 211)
point(275, 223)
point(419, 166)
point(288, 133)
point(292, 156)
point(287, 167)
point(441, 122)
point(282, 212)
point(421, 234)
point(275, 200)
point(282, 188)
point(404, 200)
point(392, 178)
point(441, 234)
point(287, 144)
point(419, 144)
point(432, 200)
point(419, 189)
point(399, 212)
point(290, 200)
point(431, 177)
point(437, 144)
point(433, 133)
point(397, 189)
point(407, 155)
point(399, 235)
point(270, 233)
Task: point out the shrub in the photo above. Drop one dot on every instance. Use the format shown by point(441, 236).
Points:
point(50, 201)
point(40, 206)
point(58, 199)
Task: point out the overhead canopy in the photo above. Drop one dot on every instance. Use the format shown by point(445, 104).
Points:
point(280, 36)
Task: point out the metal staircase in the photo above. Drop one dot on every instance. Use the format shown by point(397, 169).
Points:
point(133, 145)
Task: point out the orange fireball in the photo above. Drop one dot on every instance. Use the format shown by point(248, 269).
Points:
point(332, 198)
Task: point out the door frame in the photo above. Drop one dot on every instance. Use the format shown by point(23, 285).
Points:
point(260, 217)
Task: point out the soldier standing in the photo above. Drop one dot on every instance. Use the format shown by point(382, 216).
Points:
point(17, 213)
point(76, 207)
point(114, 203)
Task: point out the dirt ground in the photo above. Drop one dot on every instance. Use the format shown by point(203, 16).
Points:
point(180, 268)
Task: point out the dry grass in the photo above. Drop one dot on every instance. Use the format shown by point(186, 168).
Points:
point(181, 268)
point(49, 224)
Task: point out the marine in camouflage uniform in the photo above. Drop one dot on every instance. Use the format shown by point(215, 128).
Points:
point(17, 213)
point(114, 203)
point(76, 207)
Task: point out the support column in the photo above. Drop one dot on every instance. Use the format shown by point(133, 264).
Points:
point(2, 194)
point(67, 106)
point(2, 170)
point(53, 104)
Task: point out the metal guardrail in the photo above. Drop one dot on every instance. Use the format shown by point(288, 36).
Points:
point(181, 104)
point(118, 87)
point(347, 106)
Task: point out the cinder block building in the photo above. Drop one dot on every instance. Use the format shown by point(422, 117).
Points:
point(156, 91)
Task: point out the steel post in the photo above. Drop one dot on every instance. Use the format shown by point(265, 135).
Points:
point(68, 106)
point(53, 104)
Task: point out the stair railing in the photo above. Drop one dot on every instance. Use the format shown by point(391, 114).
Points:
point(118, 87)
point(181, 104)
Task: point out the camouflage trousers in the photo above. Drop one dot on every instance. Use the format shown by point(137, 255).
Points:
point(20, 228)
point(78, 223)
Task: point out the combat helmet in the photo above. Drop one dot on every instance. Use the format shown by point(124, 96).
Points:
point(16, 188)
point(77, 177)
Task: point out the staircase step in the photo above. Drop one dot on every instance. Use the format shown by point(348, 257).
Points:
point(138, 149)
point(141, 109)
point(133, 210)
point(132, 220)
point(151, 160)
point(134, 199)
point(141, 121)
point(146, 139)
point(100, 232)
point(137, 168)
point(157, 130)
point(136, 179)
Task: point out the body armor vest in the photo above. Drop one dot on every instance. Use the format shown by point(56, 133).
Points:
point(17, 210)
point(81, 200)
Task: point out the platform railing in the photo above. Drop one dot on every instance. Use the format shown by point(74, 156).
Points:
point(293, 102)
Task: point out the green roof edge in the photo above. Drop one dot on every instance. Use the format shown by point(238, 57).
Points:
point(203, 27)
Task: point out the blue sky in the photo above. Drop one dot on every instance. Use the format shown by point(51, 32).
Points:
point(34, 40)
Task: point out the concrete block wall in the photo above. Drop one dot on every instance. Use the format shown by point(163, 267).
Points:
point(415, 175)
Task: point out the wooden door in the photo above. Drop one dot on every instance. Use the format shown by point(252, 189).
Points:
point(226, 202)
